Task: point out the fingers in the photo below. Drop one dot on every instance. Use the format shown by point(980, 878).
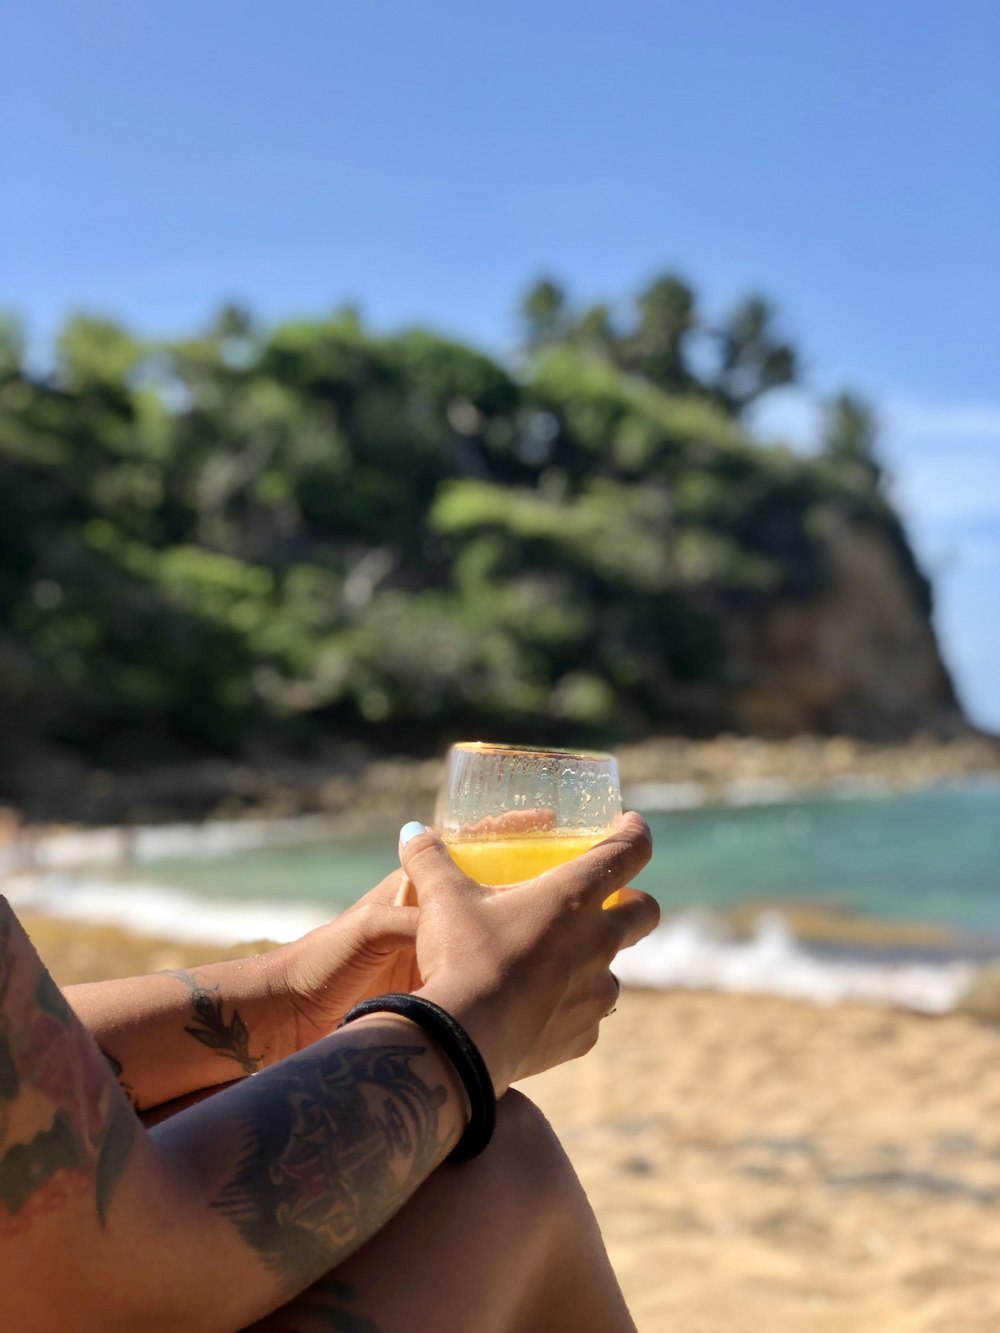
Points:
point(614, 988)
point(634, 916)
point(394, 891)
point(428, 868)
point(400, 975)
point(609, 864)
point(384, 925)
point(427, 865)
point(633, 836)
point(383, 892)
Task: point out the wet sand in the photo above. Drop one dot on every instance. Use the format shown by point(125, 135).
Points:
point(758, 1165)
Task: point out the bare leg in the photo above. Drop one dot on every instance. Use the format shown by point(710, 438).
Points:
point(506, 1243)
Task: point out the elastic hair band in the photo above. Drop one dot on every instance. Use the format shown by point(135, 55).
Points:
point(460, 1049)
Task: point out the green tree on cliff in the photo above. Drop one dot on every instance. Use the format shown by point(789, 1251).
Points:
point(849, 435)
point(264, 535)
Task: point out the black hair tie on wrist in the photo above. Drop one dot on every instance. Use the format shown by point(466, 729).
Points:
point(460, 1049)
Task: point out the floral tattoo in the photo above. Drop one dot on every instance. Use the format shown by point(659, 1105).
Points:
point(48, 1059)
point(229, 1038)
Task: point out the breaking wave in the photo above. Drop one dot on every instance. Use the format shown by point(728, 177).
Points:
point(693, 950)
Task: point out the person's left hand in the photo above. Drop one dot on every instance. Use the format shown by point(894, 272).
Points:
point(367, 950)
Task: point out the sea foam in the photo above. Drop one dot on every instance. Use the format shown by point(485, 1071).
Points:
point(692, 950)
point(162, 910)
point(695, 951)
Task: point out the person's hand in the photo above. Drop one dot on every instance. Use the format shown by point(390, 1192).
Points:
point(367, 950)
point(526, 968)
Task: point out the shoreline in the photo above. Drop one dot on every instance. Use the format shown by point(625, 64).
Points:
point(89, 877)
point(89, 926)
point(754, 1161)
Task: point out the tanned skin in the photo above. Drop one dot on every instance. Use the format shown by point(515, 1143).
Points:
point(228, 1037)
point(247, 1197)
point(223, 1213)
point(66, 1129)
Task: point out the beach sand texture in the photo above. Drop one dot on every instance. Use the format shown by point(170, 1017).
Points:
point(759, 1165)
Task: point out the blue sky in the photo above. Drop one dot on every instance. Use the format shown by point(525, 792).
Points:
point(427, 161)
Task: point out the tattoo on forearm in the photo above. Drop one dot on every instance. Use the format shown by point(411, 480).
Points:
point(47, 1056)
point(230, 1039)
point(333, 1147)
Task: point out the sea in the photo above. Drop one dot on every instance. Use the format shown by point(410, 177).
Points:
point(863, 894)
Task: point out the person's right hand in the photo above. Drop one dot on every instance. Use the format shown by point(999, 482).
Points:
point(526, 968)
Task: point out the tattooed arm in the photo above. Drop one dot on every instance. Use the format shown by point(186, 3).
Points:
point(174, 1033)
point(181, 1032)
point(224, 1213)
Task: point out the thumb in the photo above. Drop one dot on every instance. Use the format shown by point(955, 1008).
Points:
point(427, 864)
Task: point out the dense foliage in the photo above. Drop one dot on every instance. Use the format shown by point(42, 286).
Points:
point(263, 537)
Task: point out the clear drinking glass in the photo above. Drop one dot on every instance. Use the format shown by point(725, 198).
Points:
point(507, 814)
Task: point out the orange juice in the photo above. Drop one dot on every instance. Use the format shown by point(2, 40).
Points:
point(498, 861)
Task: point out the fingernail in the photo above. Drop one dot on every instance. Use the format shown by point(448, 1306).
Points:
point(411, 830)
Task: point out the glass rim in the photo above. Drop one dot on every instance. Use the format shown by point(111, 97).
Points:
point(487, 747)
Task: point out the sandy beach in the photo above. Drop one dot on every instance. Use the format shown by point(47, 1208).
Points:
point(758, 1164)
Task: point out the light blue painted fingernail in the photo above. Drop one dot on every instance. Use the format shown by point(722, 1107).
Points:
point(411, 830)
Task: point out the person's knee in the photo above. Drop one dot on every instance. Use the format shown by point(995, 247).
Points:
point(523, 1129)
point(553, 1217)
point(527, 1152)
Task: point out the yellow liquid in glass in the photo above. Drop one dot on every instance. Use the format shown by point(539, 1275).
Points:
point(499, 861)
point(509, 860)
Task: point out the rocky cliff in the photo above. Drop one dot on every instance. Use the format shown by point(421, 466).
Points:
point(314, 540)
point(860, 657)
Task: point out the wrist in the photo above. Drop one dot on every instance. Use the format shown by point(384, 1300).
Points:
point(281, 1015)
point(481, 1018)
point(379, 1024)
point(461, 1057)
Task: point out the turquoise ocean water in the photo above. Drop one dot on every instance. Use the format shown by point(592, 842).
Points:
point(930, 857)
point(927, 856)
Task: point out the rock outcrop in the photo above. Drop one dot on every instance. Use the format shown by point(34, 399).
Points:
point(861, 657)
